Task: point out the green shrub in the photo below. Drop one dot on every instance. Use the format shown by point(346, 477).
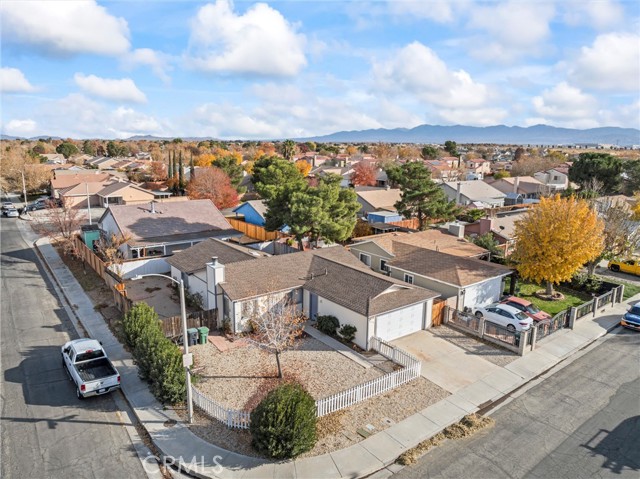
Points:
point(157, 358)
point(284, 423)
point(328, 324)
point(348, 332)
point(585, 282)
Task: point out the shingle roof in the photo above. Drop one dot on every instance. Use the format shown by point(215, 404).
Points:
point(380, 198)
point(258, 205)
point(433, 239)
point(82, 189)
point(65, 181)
point(475, 189)
point(332, 272)
point(444, 267)
point(120, 185)
point(170, 219)
point(195, 258)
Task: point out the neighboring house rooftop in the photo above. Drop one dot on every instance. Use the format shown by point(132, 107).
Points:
point(475, 190)
point(433, 239)
point(171, 220)
point(195, 258)
point(84, 189)
point(259, 206)
point(379, 198)
point(332, 272)
point(117, 187)
point(64, 181)
point(526, 185)
point(443, 267)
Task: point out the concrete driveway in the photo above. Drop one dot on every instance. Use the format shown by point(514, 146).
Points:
point(443, 363)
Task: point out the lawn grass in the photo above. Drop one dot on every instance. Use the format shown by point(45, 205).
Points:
point(630, 289)
point(571, 298)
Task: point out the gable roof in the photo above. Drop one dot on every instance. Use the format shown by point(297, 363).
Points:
point(432, 239)
point(194, 218)
point(475, 190)
point(445, 268)
point(118, 186)
point(64, 181)
point(84, 188)
point(332, 273)
point(526, 184)
point(379, 198)
point(195, 258)
point(259, 207)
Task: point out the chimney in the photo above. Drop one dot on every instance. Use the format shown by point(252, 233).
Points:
point(215, 275)
point(458, 193)
point(516, 183)
point(485, 225)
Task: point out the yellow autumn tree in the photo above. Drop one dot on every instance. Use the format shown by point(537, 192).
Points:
point(555, 239)
point(204, 160)
point(636, 207)
point(304, 167)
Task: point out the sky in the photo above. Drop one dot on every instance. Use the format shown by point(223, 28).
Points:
point(298, 68)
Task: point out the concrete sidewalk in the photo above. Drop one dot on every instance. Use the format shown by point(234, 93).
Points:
point(203, 459)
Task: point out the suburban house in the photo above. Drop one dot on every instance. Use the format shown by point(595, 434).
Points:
point(555, 179)
point(478, 168)
point(190, 265)
point(60, 182)
point(444, 170)
point(54, 158)
point(326, 281)
point(123, 193)
point(377, 250)
point(526, 186)
point(475, 193)
point(253, 212)
point(83, 194)
point(160, 229)
point(374, 199)
point(502, 227)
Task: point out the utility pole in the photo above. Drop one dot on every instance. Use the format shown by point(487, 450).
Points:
point(88, 203)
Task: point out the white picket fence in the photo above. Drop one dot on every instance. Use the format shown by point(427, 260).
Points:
point(377, 386)
point(234, 418)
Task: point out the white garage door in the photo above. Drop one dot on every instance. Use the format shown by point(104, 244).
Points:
point(400, 323)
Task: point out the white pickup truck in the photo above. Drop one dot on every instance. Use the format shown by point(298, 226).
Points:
point(89, 368)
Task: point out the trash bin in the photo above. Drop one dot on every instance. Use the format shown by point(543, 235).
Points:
point(193, 336)
point(204, 332)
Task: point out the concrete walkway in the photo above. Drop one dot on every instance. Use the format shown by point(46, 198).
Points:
point(364, 458)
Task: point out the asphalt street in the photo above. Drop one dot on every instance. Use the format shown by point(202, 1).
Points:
point(583, 421)
point(46, 430)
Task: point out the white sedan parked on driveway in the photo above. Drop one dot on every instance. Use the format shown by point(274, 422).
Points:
point(506, 316)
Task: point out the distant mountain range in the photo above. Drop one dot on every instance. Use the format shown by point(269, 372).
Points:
point(499, 134)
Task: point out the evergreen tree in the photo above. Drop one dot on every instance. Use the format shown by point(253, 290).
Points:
point(420, 196)
point(170, 175)
point(192, 169)
point(180, 173)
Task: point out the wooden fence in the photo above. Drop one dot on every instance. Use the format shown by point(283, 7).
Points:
point(241, 419)
point(172, 326)
point(89, 257)
point(253, 231)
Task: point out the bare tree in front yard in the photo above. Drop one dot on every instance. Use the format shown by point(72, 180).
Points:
point(61, 226)
point(276, 324)
point(108, 247)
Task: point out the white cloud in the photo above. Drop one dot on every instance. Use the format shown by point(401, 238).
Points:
point(439, 11)
point(416, 69)
point(599, 14)
point(20, 127)
point(66, 27)
point(514, 29)
point(78, 116)
point(261, 41)
point(566, 105)
point(157, 61)
point(13, 80)
point(611, 63)
point(123, 89)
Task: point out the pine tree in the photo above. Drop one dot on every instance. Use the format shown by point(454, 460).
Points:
point(180, 173)
point(192, 169)
point(170, 166)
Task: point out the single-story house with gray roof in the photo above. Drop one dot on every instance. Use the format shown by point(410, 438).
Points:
point(327, 281)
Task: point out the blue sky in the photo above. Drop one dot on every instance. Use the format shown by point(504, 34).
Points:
point(284, 69)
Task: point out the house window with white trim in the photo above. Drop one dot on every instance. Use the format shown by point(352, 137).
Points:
point(408, 278)
point(366, 259)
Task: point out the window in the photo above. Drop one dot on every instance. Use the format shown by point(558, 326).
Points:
point(383, 265)
point(365, 258)
point(408, 278)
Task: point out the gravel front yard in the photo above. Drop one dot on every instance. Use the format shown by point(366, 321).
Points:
point(239, 378)
point(488, 351)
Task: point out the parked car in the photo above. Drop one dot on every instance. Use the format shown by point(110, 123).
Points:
point(36, 206)
point(89, 368)
point(631, 266)
point(7, 205)
point(631, 319)
point(527, 307)
point(504, 315)
point(11, 213)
